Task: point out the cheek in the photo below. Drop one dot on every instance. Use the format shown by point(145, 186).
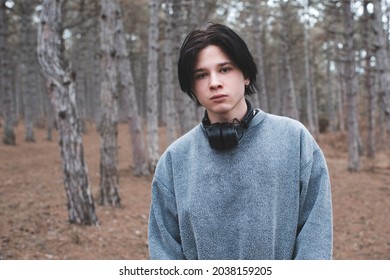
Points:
point(240, 87)
point(199, 88)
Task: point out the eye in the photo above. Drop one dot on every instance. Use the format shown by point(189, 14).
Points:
point(200, 75)
point(225, 69)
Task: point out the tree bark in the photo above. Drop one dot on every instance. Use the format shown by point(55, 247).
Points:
point(108, 127)
point(93, 81)
point(30, 99)
point(80, 204)
point(79, 62)
point(369, 83)
point(308, 77)
point(152, 85)
point(50, 120)
point(291, 106)
point(169, 85)
point(185, 13)
point(140, 165)
point(331, 95)
point(383, 61)
point(257, 30)
point(350, 76)
point(341, 97)
point(9, 137)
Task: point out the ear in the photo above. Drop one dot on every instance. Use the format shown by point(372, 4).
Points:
point(246, 82)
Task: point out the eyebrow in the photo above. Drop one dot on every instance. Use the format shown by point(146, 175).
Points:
point(219, 64)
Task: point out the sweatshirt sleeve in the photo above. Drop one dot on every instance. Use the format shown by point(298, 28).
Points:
point(163, 232)
point(315, 222)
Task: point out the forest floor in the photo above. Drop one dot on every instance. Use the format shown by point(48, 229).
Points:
point(33, 214)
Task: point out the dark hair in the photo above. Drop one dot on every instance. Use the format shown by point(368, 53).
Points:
point(229, 42)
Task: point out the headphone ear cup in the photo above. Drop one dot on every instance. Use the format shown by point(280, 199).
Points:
point(214, 136)
point(229, 135)
point(222, 136)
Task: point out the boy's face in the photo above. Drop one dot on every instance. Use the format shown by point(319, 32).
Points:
point(219, 85)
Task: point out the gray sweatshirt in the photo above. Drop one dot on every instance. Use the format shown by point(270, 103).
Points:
point(267, 198)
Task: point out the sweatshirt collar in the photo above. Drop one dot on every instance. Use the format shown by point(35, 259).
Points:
point(257, 119)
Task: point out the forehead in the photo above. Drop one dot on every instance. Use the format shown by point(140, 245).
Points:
point(210, 56)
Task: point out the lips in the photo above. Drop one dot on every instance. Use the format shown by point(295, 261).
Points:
point(217, 97)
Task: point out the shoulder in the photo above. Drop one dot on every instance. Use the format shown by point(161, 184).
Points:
point(282, 128)
point(186, 141)
point(284, 123)
point(292, 132)
point(182, 146)
point(177, 156)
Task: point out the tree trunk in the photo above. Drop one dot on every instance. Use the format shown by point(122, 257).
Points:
point(308, 76)
point(369, 83)
point(350, 76)
point(341, 99)
point(152, 85)
point(79, 61)
point(186, 106)
point(5, 80)
point(169, 84)
point(330, 100)
point(50, 121)
point(80, 204)
point(108, 128)
point(313, 69)
point(128, 90)
point(291, 106)
point(93, 81)
point(383, 61)
point(281, 85)
point(257, 30)
point(27, 73)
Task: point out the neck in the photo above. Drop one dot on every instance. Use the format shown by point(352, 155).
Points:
point(238, 112)
point(243, 116)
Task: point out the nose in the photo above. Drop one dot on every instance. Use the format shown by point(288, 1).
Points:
point(215, 82)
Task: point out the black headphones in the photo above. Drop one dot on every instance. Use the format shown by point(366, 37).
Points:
point(224, 136)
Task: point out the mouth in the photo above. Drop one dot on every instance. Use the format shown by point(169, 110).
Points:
point(217, 97)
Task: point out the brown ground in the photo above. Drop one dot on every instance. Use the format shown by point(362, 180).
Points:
point(33, 215)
